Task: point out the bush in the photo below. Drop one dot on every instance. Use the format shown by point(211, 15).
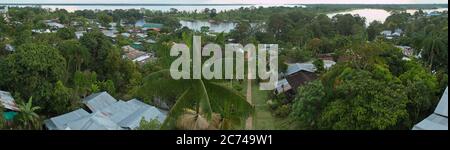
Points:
point(283, 111)
point(273, 104)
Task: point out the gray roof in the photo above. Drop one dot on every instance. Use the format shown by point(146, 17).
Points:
point(144, 111)
point(307, 66)
point(282, 86)
point(119, 111)
point(294, 68)
point(94, 121)
point(108, 114)
point(433, 122)
point(60, 122)
point(98, 101)
point(439, 119)
point(442, 108)
point(7, 101)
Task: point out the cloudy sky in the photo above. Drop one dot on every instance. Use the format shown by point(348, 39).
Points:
point(233, 1)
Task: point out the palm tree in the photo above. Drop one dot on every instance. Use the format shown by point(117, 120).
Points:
point(27, 116)
point(433, 45)
point(200, 104)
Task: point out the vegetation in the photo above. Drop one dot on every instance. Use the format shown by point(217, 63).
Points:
point(371, 87)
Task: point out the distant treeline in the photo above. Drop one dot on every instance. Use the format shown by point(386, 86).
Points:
point(381, 6)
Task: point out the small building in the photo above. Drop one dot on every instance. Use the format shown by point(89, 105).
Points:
point(406, 50)
point(107, 114)
point(127, 35)
point(7, 101)
point(299, 74)
point(53, 24)
point(11, 108)
point(9, 48)
point(439, 119)
point(110, 33)
point(397, 33)
point(152, 26)
point(79, 34)
point(98, 101)
point(131, 53)
point(4, 11)
point(386, 33)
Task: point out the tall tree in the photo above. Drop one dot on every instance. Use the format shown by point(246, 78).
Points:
point(33, 70)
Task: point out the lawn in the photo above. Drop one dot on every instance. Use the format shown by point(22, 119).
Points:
point(263, 118)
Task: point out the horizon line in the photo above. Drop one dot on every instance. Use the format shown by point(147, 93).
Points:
point(217, 4)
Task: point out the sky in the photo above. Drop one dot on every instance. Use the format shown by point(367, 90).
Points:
point(235, 1)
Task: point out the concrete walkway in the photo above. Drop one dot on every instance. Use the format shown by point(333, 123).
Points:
point(249, 122)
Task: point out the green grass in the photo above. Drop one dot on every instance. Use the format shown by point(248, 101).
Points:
point(263, 119)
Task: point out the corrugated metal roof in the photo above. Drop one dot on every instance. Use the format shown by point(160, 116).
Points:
point(119, 111)
point(442, 108)
point(8, 101)
point(294, 68)
point(433, 122)
point(108, 114)
point(95, 121)
point(60, 122)
point(282, 86)
point(147, 113)
point(99, 101)
point(439, 119)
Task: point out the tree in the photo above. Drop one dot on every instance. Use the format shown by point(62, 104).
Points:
point(76, 54)
point(241, 32)
point(322, 26)
point(149, 125)
point(66, 33)
point(83, 82)
point(33, 70)
point(434, 45)
point(308, 105)
point(63, 99)
point(202, 96)
point(319, 64)
point(104, 19)
point(213, 13)
point(374, 30)
point(199, 99)
point(346, 24)
point(28, 118)
point(364, 103)
point(421, 89)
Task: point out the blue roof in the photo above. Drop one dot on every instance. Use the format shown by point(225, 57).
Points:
point(60, 122)
point(98, 101)
point(108, 114)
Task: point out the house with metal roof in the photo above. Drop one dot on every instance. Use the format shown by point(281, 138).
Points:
point(107, 114)
point(7, 101)
point(439, 119)
point(4, 11)
point(61, 122)
point(99, 101)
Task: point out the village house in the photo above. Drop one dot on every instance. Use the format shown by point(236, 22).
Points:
point(136, 55)
point(152, 27)
point(4, 11)
point(297, 75)
point(406, 50)
point(106, 113)
point(53, 24)
point(8, 103)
